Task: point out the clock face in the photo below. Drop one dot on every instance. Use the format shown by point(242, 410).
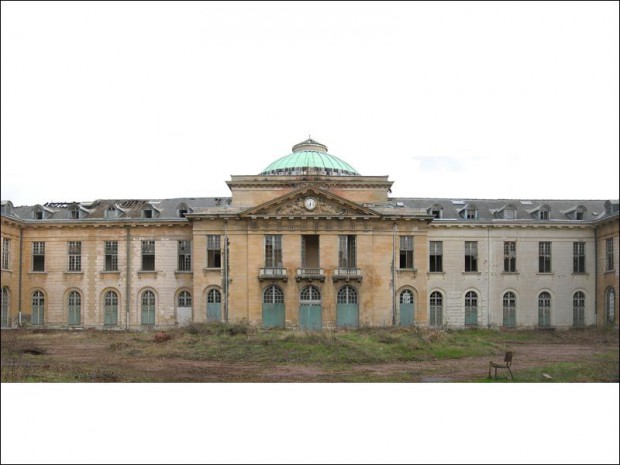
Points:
point(310, 203)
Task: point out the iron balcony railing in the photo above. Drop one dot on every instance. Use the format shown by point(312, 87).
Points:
point(348, 274)
point(310, 274)
point(273, 273)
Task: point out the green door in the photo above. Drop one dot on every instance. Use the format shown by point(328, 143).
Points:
point(406, 308)
point(148, 308)
point(544, 309)
point(347, 308)
point(5, 307)
point(273, 307)
point(38, 302)
point(110, 313)
point(471, 309)
point(509, 319)
point(214, 305)
point(436, 309)
point(579, 304)
point(310, 309)
point(75, 305)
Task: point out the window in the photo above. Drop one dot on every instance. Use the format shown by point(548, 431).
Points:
point(310, 294)
point(406, 252)
point(471, 256)
point(579, 257)
point(75, 256)
point(185, 299)
point(111, 256)
point(183, 210)
point(38, 256)
point(509, 310)
point(6, 250)
point(610, 305)
point(74, 213)
point(38, 304)
point(148, 255)
point(214, 252)
point(110, 307)
point(273, 295)
point(346, 252)
point(346, 295)
point(609, 254)
point(510, 257)
point(111, 212)
point(580, 212)
point(75, 306)
point(185, 255)
point(436, 211)
point(579, 305)
point(38, 214)
point(544, 257)
point(436, 256)
point(273, 251)
point(406, 297)
point(544, 309)
point(436, 309)
point(543, 213)
point(510, 213)
point(471, 309)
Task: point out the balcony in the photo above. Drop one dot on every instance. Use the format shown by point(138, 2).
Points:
point(273, 274)
point(310, 274)
point(347, 274)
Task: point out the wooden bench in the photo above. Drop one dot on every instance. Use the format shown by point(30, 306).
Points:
point(505, 365)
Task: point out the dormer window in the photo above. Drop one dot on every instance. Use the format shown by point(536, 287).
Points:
point(470, 212)
point(38, 214)
point(510, 213)
point(111, 212)
point(148, 213)
point(74, 213)
point(436, 211)
point(580, 212)
point(543, 212)
point(183, 210)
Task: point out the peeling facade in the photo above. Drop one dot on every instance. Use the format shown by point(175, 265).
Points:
point(310, 243)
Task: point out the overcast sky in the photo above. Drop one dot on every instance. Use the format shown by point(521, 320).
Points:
point(161, 100)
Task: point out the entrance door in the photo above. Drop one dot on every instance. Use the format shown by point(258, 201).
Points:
point(38, 304)
point(544, 309)
point(347, 308)
point(148, 308)
point(510, 310)
point(406, 308)
point(310, 310)
point(273, 307)
point(471, 309)
point(75, 307)
point(110, 315)
point(184, 308)
point(5, 307)
point(214, 305)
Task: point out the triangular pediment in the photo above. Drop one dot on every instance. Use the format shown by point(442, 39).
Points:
point(296, 203)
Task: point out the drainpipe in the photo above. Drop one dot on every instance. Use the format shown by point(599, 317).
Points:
point(393, 274)
point(488, 275)
point(595, 275)
point(128, 280)
point(19, 286)
point(226, 271)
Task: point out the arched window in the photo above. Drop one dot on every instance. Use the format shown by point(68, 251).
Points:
point(148, 308)
point(75, 307)
point(273, 295)
point(610, 305)
point(509, 309)
point(544, 309)
point(185, 299)
point(214, 296)
point(436, 309)
point(406, 297)
point(579, 305)
point(310, 293)
point(110, 309)
point(38, 304)
point(471, 309)
point(5, 306)
point(347, 295)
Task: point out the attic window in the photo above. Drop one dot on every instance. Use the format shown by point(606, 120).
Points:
point(148, 213)
point(470, 212)
point(111, 212)
point(436, 211)
point(74, 213)
point(38, 214)
point(183, 210)
point(510, 213)
point(580, 212)
point(543, 213)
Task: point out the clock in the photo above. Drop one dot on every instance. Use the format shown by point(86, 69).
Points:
point(310, 203)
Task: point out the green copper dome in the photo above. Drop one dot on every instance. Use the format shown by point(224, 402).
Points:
point(309, 157)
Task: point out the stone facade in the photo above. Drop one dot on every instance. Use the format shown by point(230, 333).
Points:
point(372, 258)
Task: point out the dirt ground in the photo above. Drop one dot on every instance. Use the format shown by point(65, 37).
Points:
point(65, 350)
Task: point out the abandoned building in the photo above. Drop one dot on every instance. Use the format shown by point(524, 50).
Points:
point(310, 243)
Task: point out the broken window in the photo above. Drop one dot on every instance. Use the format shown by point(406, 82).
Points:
point(471, 256)
point(544, 257)
point(38, 256)
point(38, 214)
point(510, 257)
point(347, 252)
point(214, 252)
point(111, 256)
point(436, 256)
point(185, 255)
point(148, 255)
point(273, 251)
point(75, 256)
point(185, 299)
point(148, 213)
point(406, 252)
point(579, 257)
